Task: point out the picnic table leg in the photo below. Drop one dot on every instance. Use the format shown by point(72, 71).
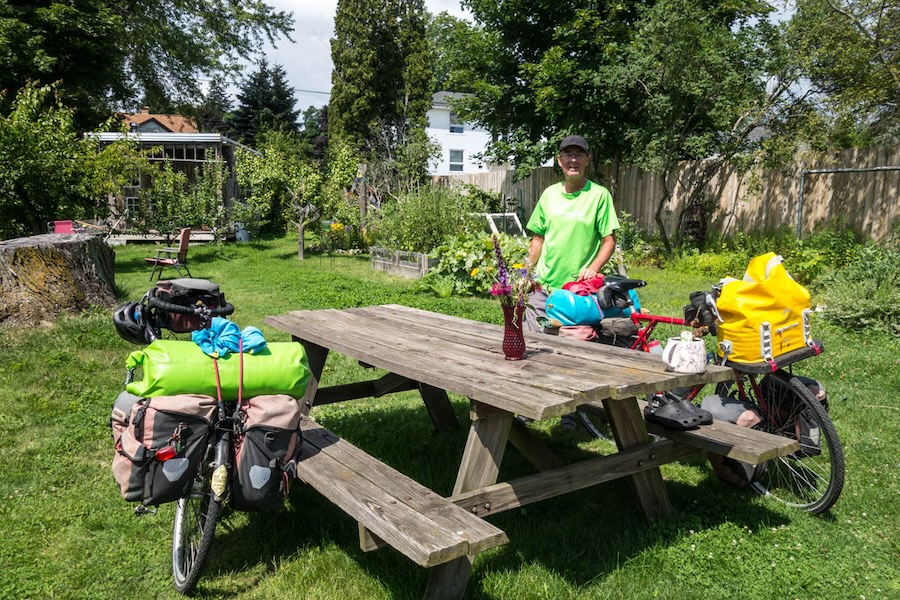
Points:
point(439, 408)
point(480, 467)
point(629, 430)
point(316, 356)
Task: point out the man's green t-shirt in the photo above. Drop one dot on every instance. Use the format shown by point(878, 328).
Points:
point(573, 227)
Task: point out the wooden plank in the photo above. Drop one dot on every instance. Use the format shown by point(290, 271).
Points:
point(574, 356)
point(407, 530)
point(557, 364)
point(387, 384)
point(508, 495)
point(442, 514)
point(480, 466)
point(629, 430)
point(532, 448)
point(394, 355)
point(484, 449)
point(727, 439)
point(439, 408)
point(316, 356)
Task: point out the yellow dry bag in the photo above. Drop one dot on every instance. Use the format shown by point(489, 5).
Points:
point(764, 315)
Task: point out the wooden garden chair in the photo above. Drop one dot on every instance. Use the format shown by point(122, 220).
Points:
point(172, 257)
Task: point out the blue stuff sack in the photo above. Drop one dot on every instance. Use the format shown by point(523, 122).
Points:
point(572, 309)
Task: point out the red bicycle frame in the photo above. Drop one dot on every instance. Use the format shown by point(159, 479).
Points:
point(642, 338)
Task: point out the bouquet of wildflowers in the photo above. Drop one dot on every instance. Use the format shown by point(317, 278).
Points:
point(513, 285)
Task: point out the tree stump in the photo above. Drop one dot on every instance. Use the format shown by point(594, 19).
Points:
point(44, 275)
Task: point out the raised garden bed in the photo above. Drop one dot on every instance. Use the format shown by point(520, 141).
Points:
point(401, 262)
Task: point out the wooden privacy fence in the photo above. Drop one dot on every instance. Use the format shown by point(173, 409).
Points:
point(761, 200)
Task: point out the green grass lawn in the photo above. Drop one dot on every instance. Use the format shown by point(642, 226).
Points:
point(66, 533)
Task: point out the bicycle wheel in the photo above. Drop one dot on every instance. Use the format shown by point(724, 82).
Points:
point(811, 478)
point(196, 517)
point(594, 422)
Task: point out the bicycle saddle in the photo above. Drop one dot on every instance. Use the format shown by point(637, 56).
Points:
point(614, 292)
point(622, 286)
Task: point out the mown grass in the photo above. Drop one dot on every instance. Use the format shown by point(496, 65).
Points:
point(67, 533)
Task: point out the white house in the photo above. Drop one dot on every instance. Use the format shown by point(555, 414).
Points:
point(459, 141)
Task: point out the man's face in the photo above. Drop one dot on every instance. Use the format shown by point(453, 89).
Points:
point(573, 161)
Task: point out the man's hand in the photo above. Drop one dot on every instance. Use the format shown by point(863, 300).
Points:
point(586, 273)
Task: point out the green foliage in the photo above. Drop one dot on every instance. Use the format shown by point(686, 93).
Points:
point(281, 185)
point(850, 53)
point(213, 110)
point(43, 170)
point(168, 205)
point(807, 260)
point(337, 204)
point(420, 220)
point(108, 53)
point(382, 68)
point(468, 262)
point(865, 293)
point(209, 197)
point(629, 235)
point(265, 103)
point(668, 77)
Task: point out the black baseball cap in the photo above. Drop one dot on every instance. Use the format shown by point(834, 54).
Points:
point(574, 140)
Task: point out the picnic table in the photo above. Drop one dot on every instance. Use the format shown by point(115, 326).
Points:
point(436, 354)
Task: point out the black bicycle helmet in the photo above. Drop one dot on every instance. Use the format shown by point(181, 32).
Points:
point(129, 324)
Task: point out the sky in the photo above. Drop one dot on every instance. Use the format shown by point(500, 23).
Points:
point(307, 61)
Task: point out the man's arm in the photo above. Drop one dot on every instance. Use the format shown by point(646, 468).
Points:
point(535, 249)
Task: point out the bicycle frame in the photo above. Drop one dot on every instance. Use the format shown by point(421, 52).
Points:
point(642, 341)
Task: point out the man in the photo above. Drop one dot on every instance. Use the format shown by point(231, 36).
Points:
point(574, 226)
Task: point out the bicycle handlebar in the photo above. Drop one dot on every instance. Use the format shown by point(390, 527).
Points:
point(219, 311)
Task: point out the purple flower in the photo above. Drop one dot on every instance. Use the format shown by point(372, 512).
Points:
point(502, 275)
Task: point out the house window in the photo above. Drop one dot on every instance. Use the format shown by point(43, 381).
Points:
point(456, 160)
point(455, 125)
point(132, 207)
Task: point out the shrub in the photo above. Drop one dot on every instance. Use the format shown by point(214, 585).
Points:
point(864, 294)
point(420, 221)
point(468, 262)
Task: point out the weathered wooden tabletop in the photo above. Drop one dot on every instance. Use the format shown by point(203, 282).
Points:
point(464, 357)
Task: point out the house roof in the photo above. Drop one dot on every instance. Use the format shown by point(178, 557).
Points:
point(171, 123)
point(441, 99)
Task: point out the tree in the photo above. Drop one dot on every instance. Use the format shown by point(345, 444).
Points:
point(698, 78)
point(315, 132)
point(265, 102)
point(648, 83)
point(368, 67)
point(213, 111)
point(446, 35)
point(48, 171)
point(382, 89)
point(111, 53)
point(851, 53)
point(280, 180)
point(537, 73)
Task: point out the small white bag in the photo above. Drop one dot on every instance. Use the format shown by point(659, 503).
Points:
point(685, 354)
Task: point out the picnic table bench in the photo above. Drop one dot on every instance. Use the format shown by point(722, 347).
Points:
point(434, 354)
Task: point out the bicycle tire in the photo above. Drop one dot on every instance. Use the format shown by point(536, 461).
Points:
point(196, 517)
point(812, 478)
point(596, 426)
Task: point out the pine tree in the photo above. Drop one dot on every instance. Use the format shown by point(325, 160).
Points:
point(212, 112)
point(265, 102)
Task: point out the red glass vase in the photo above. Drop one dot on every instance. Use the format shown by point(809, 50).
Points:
point(513, 338)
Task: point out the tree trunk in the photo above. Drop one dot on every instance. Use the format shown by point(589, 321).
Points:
point(667, 193)
point(301, 224)
point(44, 275)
